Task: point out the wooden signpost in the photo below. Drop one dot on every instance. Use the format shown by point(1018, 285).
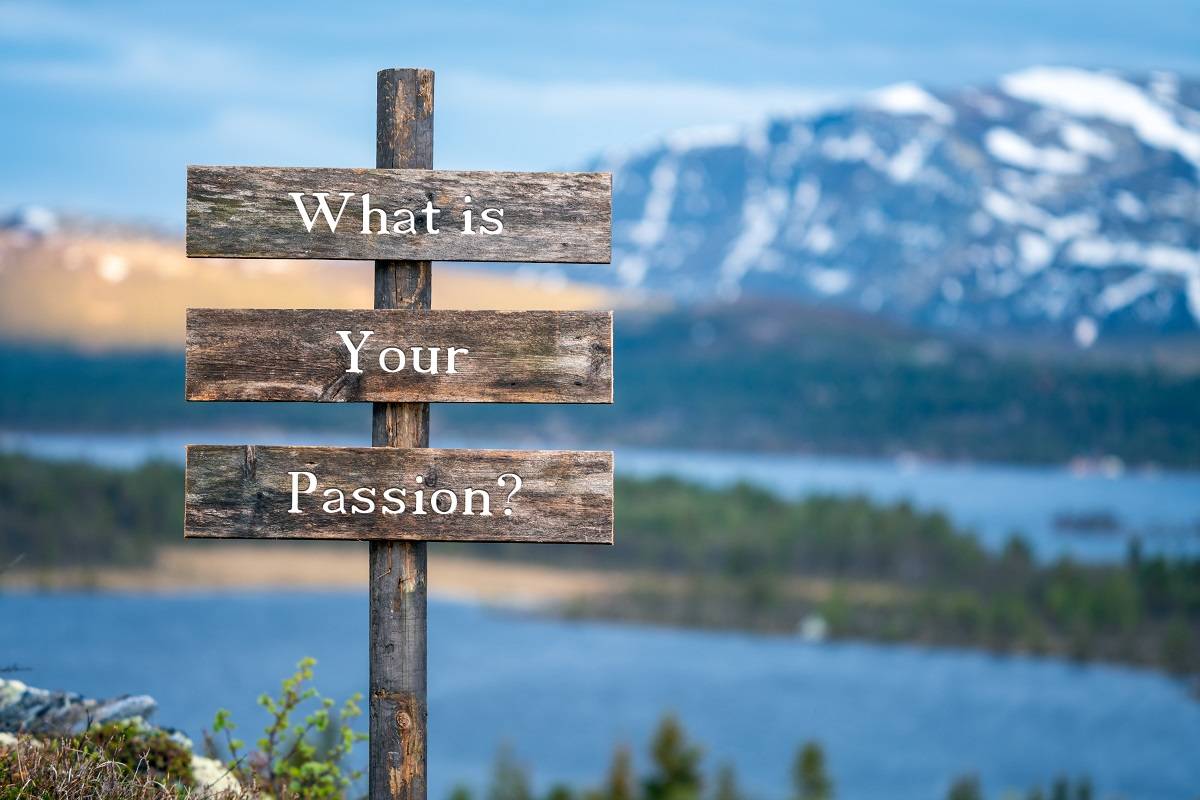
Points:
point(279, 212)
point(388, 356)
point(418, 494)
point(400, 356)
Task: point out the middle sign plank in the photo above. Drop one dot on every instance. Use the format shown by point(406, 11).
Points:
point(431, 215)
point(393, 356)
point(250, 492)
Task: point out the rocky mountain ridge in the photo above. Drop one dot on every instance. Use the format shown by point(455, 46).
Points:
point(1056, 200)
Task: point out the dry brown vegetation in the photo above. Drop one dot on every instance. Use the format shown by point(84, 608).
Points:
point(109, 291)
point(66, 770)
point(342, 565)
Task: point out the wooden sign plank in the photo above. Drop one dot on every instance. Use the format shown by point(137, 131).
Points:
point(288, 212)
point(417, 494)
point(391, 356)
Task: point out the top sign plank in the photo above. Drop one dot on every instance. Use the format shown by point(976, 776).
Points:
point(379, 214)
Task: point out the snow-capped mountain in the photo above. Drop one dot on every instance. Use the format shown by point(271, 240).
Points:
point(1056, 199)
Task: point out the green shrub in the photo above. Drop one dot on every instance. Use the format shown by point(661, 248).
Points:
point(141, 749)
point(303, 760)
point(79, 768)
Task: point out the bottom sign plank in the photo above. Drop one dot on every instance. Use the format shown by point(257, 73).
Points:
point(258, 492)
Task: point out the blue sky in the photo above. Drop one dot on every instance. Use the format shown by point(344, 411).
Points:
point(105, 103)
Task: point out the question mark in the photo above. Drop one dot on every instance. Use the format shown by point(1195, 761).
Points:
point(516, 488)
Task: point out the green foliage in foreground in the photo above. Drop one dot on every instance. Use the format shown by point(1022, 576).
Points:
point(115, 760)
point(968, 787)
point(676, 772)
point(809, 776)
point(303, 759)
point(293, 760)
point(142, 749)
point(127, 761)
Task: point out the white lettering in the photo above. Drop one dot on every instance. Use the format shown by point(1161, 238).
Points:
point(312, 485)
point(383, 355)
point(469, 495)
point(345, 336)
point(433, 501)
point(368, 211)
point(416, 360)
point(430, 212)
point(450, 353)
point(337, 496)
point(420, 495)
point(393, 495)
point(492, 215)
point(467, 218)
point(390, 500)
point(322, 209)
point(359, 496)
point(407, 223)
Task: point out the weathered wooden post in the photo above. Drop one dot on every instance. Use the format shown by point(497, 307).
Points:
point(403, 140)
point(400, 356)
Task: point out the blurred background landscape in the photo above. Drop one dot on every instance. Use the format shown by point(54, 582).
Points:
point(907, 377)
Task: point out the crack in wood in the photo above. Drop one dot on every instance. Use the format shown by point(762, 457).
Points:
point(249, 464)
point(405, 767)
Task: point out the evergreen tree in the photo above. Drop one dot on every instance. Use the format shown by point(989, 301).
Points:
point(965, 788)
point(510, 781)
point(560, 791)
point(460, 792)
point(727, 788)
point(809, 775)
point(619, 785)
point(676, 774)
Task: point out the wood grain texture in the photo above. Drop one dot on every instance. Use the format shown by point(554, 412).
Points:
point(245, 492)
point(297, 355)
point(246, 212)
point(397, 705)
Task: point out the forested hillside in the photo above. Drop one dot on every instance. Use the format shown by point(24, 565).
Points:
point(751, 376)
point(737, 557)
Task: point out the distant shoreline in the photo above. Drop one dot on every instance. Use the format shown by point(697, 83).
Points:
point(207, 566)
point(285, 566)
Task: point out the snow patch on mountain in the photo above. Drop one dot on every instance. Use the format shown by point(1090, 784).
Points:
point(763, 214)
point(1087, 141)
point(1054, 196)
point(1011, 147)
point(909, 98)
point(656, 215)
point(705, 136)
point(1102, 96)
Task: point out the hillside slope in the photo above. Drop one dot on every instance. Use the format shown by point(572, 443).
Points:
point(1057, 200)
point(117, 289)
point(744, 376)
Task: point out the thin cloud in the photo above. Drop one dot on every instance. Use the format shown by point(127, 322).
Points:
point(678, 98)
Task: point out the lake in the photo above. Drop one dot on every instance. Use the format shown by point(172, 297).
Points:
point(896, 722)
point(1162, 509)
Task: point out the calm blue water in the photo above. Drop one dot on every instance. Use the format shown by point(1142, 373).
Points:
point(897, 722)
point(1160, 508)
